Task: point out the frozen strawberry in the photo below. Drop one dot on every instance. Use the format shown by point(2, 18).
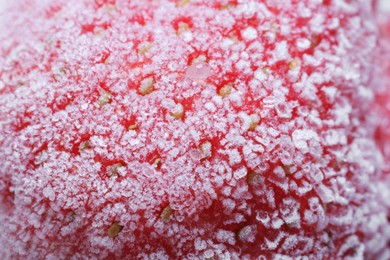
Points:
point(383, 87)
point(189, 129)
point(382, 104)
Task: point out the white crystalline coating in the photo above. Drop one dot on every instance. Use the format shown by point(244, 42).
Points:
point(330, 92)
point(225, 236)
point(249, 34)
point(260, 75)
point(263, 217)
point(281, 52)
point(48, 192)
point(352, 242)
point(277, 223)
point(290, 213)
point(269, 101)
point(187, 36)
point(273, 244)
point(240, 173)
point(301, 137)
point(200, 244)
point(279, 178)
point(210, 107)
point(234, 157)
point(247, 234)
point(317, 23)
point(248, 121)
point(199, 71)
point(283, 165)
point(208, 254)
point(333, 137)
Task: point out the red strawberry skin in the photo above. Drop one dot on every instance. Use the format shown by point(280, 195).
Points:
point(190, 129)
point(382, 90)
point(382, 103)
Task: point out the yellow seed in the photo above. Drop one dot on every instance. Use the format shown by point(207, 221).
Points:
point(205, 148)
point(157, 163)
point(225, 90)
point(199, 59)
point(114, 230)
point(110, 8)
point(225, 7)
point(177, 115)
point(287, 168)
point(105, 98)
point(254, 178)
point(254, 122)
point(144, 47)
point(293, 64)
point(98, 31)
point(84, 146)
point(183, 27)
point(233, 37)
point(166, 214)
point(177, 112)
point(146, 86)
point(113, 169)
point(182, 3)
point(266, 70)
point(133, 127)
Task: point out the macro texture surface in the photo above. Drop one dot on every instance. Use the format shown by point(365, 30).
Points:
point(191, 129)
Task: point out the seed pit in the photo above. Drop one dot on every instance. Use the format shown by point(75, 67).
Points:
point(255, 120)
point(177, 112)
point(104, 99)
point(254, 178)
point(146, 86)
point(293, 64)
point(182, 28)
point(225, 90)
point(114, 230)
point(206, 150)
point(84, 146)
point(113, 170)
point(166, 214)
point(144, 47)
point(182, 3)
point(133, 127)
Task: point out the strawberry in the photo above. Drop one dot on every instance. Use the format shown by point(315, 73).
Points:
point(382, 91)
point(189, 129)
point(382, 105)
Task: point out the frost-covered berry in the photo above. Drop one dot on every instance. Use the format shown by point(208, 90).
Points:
point(190, 129)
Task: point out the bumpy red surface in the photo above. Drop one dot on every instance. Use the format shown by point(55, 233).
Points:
point(190, 129)
point(382, 93)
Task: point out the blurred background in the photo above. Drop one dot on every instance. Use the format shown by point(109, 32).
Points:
point(2, 3)
point(383, 4)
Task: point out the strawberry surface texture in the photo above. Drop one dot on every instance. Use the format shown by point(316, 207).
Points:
point(193, 129)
